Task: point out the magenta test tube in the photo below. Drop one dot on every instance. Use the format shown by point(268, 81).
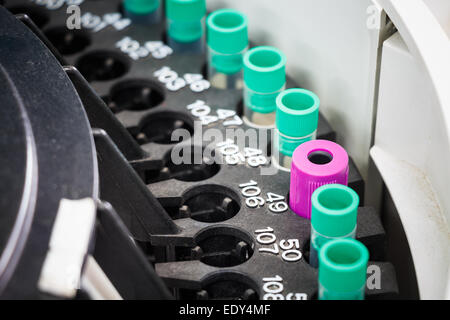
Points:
point(314, 164)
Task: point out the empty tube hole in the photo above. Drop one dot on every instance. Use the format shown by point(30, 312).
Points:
point(212, 204)
point(226, 286)
point(135, 95)
point(103, 65)
point(207, 203)
point(196, 166)
point(191, 164)
point(158, 127)
point(67, 41)
point(219, 247)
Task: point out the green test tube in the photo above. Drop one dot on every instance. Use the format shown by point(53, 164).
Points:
point(185, 25)
point(342, 270)
point(264, 79)
point(227, 43)
point(334, 210)
point(297, 116)
point(143, 11)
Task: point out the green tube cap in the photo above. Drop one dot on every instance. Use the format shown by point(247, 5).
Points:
point(343, 265)
point(141, 6)
point(264, 69)
point(227, 31)
point(297, 112)
point(334, 209)
point(185, 10)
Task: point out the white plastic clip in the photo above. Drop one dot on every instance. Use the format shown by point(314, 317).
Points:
point(69, 242)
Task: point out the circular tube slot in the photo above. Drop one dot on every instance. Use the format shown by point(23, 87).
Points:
point(211, 203)
point(158, 127)
point(207, 203)
point(225, 286)
point(135, 95)
point(103, 65)
point(198, 166)
point(67, 41)
point(220, 247)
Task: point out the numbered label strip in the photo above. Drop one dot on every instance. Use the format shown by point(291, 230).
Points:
point(252, 192)
point(173, 82)
point(289, 249)
point(273, 288)
point(202, 111)
point(96, 23)
point(56, 4)
point(136, 51)
point(233, 155)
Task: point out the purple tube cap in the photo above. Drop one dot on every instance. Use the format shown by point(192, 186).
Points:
point(314, 164)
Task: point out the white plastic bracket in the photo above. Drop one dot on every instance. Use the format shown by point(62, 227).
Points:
point(69, 242)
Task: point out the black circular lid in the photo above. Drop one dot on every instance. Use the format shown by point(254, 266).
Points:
point(18, 171)
point(46, 154)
